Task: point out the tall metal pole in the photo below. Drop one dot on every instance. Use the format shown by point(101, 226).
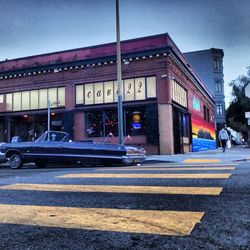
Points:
point(119, 75)
point(48, 115)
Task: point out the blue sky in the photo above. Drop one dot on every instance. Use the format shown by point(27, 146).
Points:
point(30, 27)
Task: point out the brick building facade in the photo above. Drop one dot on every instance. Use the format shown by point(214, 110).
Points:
point(166, 107)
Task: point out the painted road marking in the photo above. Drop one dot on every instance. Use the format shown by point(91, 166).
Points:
point(116, 189)
point(169, 169)
point(160, 176)
point(117, 220)
point(202, 160)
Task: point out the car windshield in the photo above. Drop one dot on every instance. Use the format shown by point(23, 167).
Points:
point(53, 136)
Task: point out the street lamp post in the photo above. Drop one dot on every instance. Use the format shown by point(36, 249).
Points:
point(119, 75)
point(48, 115)
point(49, 106)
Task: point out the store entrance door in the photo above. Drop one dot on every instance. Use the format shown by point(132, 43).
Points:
point(177, 124)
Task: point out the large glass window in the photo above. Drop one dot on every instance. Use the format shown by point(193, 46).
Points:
point(43, 98)
point(79, 94)
point(9, 102)
point(101, 123)
point(111, 122)
point(151, 86)
point(17, 101)
point(52, 96)
point(34, 99)
point(94, 124)
point(61, 96)
point(135, 121)
point(106, 92)
point(25, 100)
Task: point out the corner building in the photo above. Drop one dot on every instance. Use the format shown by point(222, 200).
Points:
point(166, 107)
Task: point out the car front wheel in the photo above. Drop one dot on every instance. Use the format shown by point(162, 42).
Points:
point(16, 161)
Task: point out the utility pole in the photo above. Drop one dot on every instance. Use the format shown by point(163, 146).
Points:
point(119, 75)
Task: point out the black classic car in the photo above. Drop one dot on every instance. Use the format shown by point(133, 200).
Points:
point(55, 147)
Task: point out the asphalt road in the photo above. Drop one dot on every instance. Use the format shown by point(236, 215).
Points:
point(154, 206)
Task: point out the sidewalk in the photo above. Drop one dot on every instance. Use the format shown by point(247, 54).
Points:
point(234, 154)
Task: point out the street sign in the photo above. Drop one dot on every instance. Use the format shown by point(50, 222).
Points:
point(247, 90)
point(248, 121)
point(247, 114)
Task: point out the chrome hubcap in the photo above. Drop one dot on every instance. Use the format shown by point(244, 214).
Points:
point(15, 161)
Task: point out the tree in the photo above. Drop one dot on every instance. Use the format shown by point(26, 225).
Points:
point(235, 113)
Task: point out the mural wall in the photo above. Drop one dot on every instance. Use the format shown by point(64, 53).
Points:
point(203, 132)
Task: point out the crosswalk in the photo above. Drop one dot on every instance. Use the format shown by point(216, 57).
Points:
point(127, 220)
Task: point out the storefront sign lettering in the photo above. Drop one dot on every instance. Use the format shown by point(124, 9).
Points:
point(140, 93)
point(89, 94)
point(107, 92)
point(89, 90)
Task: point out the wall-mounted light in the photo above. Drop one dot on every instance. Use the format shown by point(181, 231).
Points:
point(164, 76)
point(56, 70)
point(25, 116)
point(125, 61)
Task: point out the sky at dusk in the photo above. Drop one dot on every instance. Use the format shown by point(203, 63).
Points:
point(30, 27)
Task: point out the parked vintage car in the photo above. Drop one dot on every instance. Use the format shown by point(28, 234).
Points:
point(55, 147)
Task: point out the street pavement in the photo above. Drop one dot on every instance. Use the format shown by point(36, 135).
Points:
point(233, 154)
point(192, 201)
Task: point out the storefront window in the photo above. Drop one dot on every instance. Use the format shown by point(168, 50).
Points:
point(79, 94)
point(17, 101)
point(98, 92)
point(43, 98)
point(101, 123)
point(111, 122)
point(135, 121)
point(129, 89)
point(52, 95)
point(34, 99)
point(94, 124)
point(61, 96)
point(25, 100)
point(9, 102)
point(89, 94)
point(151, 87)
point(108, 92)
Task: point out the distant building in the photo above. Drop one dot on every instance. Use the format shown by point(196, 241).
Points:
point(167, 109)
point(208, 64)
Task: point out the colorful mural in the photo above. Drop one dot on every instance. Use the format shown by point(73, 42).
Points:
point(203, 133)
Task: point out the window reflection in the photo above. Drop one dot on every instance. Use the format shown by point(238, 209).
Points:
point(134, 122)
point(94, 124)
point(111, 122)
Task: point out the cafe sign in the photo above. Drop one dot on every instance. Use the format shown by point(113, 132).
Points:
point(107, 92)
